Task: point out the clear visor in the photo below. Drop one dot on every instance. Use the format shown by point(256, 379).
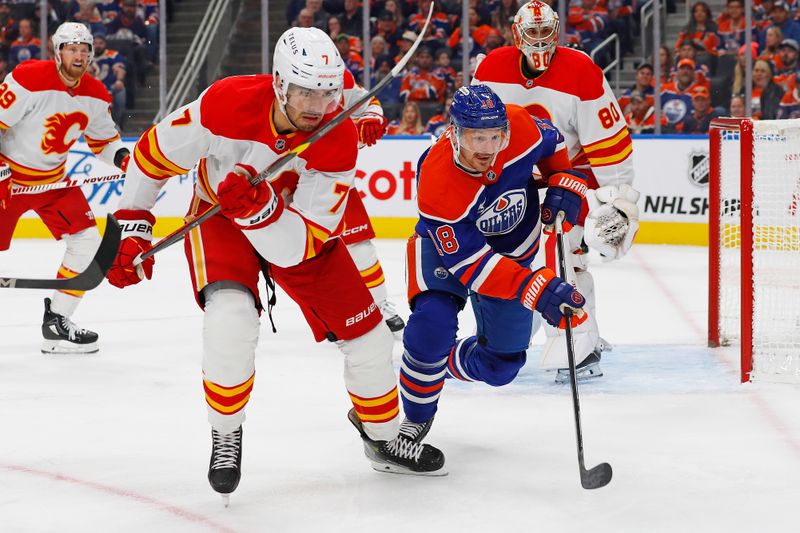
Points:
point(482, 141)
point(313, 101)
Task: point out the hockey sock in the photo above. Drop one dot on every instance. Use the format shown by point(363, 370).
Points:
point(81, 247)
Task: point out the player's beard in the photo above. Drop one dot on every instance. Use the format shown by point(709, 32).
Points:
point(73, 73)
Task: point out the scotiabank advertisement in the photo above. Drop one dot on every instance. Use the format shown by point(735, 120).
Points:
point(671, 173)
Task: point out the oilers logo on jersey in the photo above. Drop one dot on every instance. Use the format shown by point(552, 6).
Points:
point(504, 213)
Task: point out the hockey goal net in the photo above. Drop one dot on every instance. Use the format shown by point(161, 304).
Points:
point(754, 245)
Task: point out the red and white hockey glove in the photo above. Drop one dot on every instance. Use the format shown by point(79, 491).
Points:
point(371, 127)
point(137, 232)
point(565, 192)
point(550, 295)
point(248, 206)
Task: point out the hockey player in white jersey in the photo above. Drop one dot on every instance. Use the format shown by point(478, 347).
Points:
point(45, 106)
point(286, 228)
point(564, 86)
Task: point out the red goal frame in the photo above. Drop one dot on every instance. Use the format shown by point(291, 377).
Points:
point(745, 128)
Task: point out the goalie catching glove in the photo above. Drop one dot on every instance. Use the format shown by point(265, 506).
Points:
point(613, 219)
point(137, 232)
point(248, 206)
point(565, 192)
point(550, 295)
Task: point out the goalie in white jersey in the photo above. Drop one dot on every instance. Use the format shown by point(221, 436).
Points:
point(45, 106)
point(565, 87)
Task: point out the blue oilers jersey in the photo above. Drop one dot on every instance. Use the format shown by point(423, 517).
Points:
point(486, 226)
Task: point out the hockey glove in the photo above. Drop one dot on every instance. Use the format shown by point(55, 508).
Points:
point(371, 127)
point(565, 192)
point(248, 206)
point(550, 295)
point(613, 219)
point(137, 232)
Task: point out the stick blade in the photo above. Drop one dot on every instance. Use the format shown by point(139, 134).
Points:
point(597, 477)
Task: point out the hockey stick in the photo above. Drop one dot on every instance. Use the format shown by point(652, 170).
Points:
point(90, 278)
point(23, 189)
point(284, 160)
point(600, 475)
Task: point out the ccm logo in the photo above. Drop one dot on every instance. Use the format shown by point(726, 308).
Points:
point(361, 316)
point(357, 229)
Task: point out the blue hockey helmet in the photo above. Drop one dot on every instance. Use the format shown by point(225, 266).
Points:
point(479, 121)
point(478, 107)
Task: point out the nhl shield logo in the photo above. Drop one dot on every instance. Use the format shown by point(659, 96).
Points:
point(280, 144)
point(528, 83)
point(491, 176)
point(699, 168)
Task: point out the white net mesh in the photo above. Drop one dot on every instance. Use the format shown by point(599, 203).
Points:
point(776, 247)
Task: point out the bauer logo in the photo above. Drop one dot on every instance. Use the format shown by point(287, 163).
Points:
point(699, 165)
point(503, 215)
point(361, 316)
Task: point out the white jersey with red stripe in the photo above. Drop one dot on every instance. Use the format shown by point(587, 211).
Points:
point(230, 123)
point(575, 96)
point(41, 118)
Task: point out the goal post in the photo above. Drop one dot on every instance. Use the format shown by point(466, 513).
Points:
point(754, 245)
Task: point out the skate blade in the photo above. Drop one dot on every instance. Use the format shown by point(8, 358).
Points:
point(61, 347)
point(387, 468)
point(585, 374)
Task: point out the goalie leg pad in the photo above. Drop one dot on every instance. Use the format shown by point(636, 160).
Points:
point(371, 381)
point(230, 336)
point(428, 341)
point(81, 247)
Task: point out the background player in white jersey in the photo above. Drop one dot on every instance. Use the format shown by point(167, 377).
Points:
point(44, 108)
point(564, 86)
point(287, 228)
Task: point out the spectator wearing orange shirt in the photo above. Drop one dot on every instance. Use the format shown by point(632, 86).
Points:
point(789, 51)
point(700, 30)
point(478, 34)
point(420, 83)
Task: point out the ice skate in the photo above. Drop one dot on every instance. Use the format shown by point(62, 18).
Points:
point(413, 431)
point(589, 368)
point(224, 470)
point(391, 317)
point(400, 455)
point(61, 336)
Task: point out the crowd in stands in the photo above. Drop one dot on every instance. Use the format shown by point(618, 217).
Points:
point(125, 39)
point(703, 77)
point(416, 103)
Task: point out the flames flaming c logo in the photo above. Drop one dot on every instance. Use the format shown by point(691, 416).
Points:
point(57, 128)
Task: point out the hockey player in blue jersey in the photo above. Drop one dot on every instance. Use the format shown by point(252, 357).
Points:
point(477, 234)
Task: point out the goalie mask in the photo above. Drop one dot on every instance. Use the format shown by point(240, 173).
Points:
point(535, 30)
point(72, 33)
point(308, 72)
point(479, 127)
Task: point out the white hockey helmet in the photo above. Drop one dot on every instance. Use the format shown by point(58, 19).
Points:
point(307, 58)
point(69, 33)
point(535, 30)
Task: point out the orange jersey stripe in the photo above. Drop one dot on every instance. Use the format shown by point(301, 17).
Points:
point(97, 146)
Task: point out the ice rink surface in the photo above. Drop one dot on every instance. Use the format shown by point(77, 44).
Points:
point(119, 441)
